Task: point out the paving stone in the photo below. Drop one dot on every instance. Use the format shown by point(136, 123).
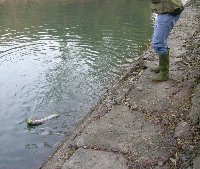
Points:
point(126, 131)
point(159, 98)
point(93, 159)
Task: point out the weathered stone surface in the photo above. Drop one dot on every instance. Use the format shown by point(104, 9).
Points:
point(195, 108)
point(153, 97)
point(93, 159)
point(159, 98)
point(196, 163)
point(183, 131)
point(126, 131)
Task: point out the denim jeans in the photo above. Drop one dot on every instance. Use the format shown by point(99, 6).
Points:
point(164, 23)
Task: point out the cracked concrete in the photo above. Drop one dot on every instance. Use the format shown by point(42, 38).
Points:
point(125, 131)
point(93, 159)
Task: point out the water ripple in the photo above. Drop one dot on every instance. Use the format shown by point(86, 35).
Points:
point(59, 57)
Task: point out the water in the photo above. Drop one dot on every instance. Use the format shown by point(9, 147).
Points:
point(59, 56)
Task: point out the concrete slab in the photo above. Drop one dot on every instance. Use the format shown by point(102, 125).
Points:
point(126, 131)
point(93, 159)
point(163, 97)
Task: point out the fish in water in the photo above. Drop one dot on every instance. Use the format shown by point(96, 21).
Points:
point(41, 121)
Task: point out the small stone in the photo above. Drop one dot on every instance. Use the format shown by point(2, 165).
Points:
point(139, 88)
point(144, 67)
point(134, 73)
point(160, 163)
point(182, 130)
point(173, 161)
point(136, 58)
point(134, 107)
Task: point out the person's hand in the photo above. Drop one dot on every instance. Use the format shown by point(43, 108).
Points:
point(155, 1)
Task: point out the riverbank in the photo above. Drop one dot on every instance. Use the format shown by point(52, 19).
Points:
point(140, 124)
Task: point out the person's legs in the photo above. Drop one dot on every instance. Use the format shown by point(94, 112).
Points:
point(163, 25)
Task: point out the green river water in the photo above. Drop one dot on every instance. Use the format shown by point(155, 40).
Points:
point(60, 56)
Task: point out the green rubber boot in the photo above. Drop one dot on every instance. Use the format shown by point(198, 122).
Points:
point(164, 69)
point(157, 69)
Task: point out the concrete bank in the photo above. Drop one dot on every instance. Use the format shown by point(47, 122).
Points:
point(140, 124)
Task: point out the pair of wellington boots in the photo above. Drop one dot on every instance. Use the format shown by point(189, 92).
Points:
point(162, 69)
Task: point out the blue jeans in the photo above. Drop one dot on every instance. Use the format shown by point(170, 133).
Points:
point(164, 23)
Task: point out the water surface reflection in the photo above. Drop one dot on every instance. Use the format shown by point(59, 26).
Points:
point(59, 56)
